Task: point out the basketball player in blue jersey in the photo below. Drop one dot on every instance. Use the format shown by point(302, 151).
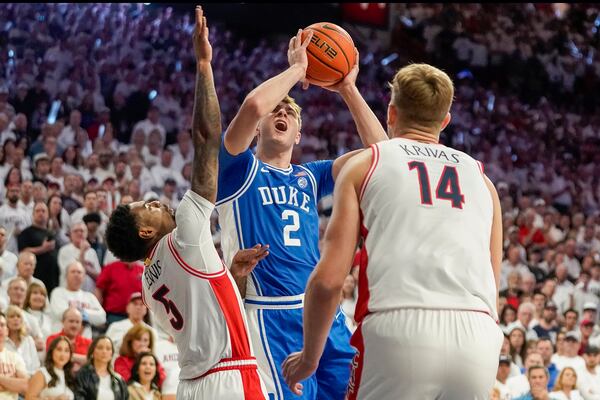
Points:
point(263, 198)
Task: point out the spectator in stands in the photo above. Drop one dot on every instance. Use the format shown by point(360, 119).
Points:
point(137, 313)
point(570, 357)
point(513, 290)
point(589, 377)
point(13, 375)
point(54, 380)
point(537, 377)
point(152, 123)
point(90, 205)
point(513, 262)
point(96, 379)
point(8, 259)
point(19, 341)
point(502, 377)
point(73, 296)
point(520, 384)
point(72, 324)
point(571, 317)
point(566, 386)
point(586, 327)
point(58, 220)
point(71, 201)
point(516, 337)
point(545, 349)
point(144, 382)
point(92, 222)
point(137, 340)
point(547, 325)
point(38, 240)
point(14, 219)
point(168, 355)
point(37, 306)
point(79, 249)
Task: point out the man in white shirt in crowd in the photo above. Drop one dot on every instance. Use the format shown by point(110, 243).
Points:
point(168, 356)
point(588, 378)
point(570, 359)
point(8, 259)
point(13, 375)
point(26, 262)
point(519, 384)
point(72, 296)
point(79, 249)
point(183, 152)
point(90, 205)
point(12, 217)
point(513, 262)
point(564, 289)
point(502, 377)
point(151, 123)
point(136, 311)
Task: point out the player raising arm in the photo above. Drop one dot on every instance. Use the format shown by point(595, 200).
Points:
point(264, 198)
point(428, 281)
point(185, 284)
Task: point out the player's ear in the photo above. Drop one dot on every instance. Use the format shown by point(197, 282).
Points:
point(446, 121)
point(392, 115)
point(147, 232)
point(298, 136)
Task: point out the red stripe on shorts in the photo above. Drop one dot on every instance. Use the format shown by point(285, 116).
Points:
point(358, 343)
point(251, 382)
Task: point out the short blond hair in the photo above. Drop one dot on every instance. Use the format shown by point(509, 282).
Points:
point(292, 103)
point(15, 310)
point(422, 94)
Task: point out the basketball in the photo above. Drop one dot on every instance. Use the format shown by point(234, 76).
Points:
point(331, 53)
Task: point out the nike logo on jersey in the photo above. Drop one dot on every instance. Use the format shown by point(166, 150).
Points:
point(264, 169)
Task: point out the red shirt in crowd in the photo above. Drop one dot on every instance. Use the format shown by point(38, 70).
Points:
point(80, 345)
point(123, 366)
point(118, 281)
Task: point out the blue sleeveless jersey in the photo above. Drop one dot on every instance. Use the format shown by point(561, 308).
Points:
point(259, 203)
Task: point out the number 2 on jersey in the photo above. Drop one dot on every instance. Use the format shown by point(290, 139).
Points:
point(170, 307)
point(293, 227)
point(448, 187)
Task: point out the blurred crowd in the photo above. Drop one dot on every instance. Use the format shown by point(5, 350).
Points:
point(95, 109)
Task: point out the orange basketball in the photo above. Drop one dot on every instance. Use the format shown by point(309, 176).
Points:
point(330, 53)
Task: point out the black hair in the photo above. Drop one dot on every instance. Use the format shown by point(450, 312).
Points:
point(122, 237)
point(135, 370)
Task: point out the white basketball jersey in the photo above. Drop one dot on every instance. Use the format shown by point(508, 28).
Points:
point(427, 220)
point(193, 296)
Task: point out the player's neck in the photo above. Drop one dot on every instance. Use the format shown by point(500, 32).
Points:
point(277, 159)
point(416, 133)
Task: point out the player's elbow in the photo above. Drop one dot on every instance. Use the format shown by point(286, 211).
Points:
point(326, 284)
point(253, 106)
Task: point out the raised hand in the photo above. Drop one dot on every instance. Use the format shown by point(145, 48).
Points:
point(297, 53)
point(202, 47)
point(349, 80)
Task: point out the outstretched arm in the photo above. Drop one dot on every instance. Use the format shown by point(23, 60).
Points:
point(325, 284)
point(206, 123)
point(263, 99)
point(368, 126)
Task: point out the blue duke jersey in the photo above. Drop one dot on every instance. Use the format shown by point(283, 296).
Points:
point(259, 203)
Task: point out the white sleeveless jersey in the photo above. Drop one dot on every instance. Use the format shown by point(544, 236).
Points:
point(193, 297)
point(426, 223)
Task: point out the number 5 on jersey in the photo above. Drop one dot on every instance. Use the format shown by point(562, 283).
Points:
point(170, 307)
point(448, 187)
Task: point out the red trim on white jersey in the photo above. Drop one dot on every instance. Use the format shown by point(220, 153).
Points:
point(367, 178)
point(188, 268)
point(362, 303)
point(230, 306)
point(481, 167)
point(358, 343)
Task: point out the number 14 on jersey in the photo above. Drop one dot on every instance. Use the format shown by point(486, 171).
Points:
point(448, 187)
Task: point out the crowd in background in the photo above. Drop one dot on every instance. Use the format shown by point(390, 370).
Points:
point(95, 109)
